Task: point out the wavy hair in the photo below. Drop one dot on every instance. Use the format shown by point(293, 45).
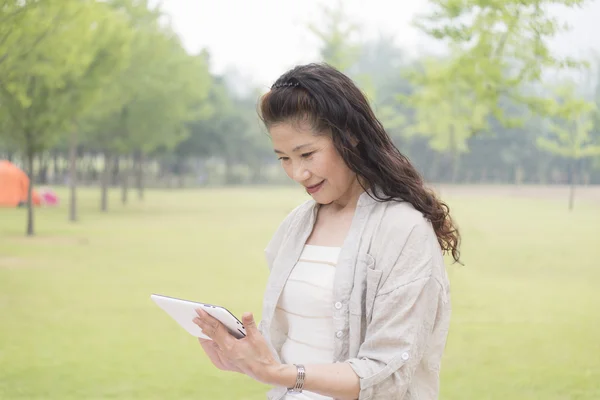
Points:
point(333, 104)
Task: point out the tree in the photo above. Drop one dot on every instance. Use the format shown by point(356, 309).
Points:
point(498, 47)
point(111, 41)
point(445, 110)
point(19, 35)
point(150, 105)
point(570, 130)
point(224, 132)
point(37, 91)
point(336, 47)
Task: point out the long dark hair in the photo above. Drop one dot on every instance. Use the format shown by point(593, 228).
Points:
point(331, 102)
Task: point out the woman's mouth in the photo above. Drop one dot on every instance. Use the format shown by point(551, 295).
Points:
point(315, 188)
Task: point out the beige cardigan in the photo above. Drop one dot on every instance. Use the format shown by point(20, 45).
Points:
point(391, 308)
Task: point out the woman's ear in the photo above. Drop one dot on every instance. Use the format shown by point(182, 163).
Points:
point(354, 141)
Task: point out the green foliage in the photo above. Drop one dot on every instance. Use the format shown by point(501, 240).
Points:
point(71, 48)
point(571, 126)
point(499, 47)
point(445, 110)
point(51, 85)
point(149, 104)
point(336, 48)
point(23, 29)
point(116, 73)
point(112, 69)
point(212, 135)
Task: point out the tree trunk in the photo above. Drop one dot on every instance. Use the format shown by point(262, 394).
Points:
point(55, 169)
point(179, 171)
point(73, 177)
point(90, 172)
point(125, 181)
point(138, 161)
point(94, 175)
point(30, 230)
point(572, 196)
point(114, 173)
point(574, 164)
point(43, 171)
point(105, 182)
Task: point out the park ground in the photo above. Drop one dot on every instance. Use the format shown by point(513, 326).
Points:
point(76, 320)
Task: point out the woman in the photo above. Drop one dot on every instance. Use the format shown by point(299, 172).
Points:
point(357, 303)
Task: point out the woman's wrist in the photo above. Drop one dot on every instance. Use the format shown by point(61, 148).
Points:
point(283, 375)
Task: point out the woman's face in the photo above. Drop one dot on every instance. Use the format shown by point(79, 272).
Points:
point(312, 161)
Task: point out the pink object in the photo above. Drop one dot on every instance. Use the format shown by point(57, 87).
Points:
point(49, 198)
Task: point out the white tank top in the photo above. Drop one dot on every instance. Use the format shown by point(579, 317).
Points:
point(305, 309)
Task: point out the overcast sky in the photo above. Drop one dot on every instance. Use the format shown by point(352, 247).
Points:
point(262, 38)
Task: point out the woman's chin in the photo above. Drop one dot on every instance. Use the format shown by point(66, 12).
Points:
point(323, 200)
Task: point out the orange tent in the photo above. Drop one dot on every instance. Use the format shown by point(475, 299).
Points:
point(13, 186)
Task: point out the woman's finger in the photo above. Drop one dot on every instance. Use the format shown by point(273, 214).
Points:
point(209, 328)
point(215, 330)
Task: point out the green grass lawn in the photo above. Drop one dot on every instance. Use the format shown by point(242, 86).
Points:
point(76, 321)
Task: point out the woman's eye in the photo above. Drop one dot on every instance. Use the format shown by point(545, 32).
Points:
point(306, 155)
point(283, 158)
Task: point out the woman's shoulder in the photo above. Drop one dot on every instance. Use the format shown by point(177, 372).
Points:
point(398, 217)
point(396, 213)
point(405, 244)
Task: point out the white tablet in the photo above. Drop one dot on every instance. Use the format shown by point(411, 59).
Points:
point(184, 311)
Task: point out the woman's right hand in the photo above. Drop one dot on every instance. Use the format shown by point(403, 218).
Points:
point(215, 355)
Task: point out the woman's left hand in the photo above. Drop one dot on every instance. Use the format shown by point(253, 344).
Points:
point(249, 355)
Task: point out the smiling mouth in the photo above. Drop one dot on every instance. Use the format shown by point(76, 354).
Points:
point(314, 188)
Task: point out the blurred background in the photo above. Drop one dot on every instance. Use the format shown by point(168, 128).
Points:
point(132, 162)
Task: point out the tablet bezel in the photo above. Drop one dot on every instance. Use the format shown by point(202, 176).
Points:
point(222, 314)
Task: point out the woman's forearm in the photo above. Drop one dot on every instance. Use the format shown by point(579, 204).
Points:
point(334, 380)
